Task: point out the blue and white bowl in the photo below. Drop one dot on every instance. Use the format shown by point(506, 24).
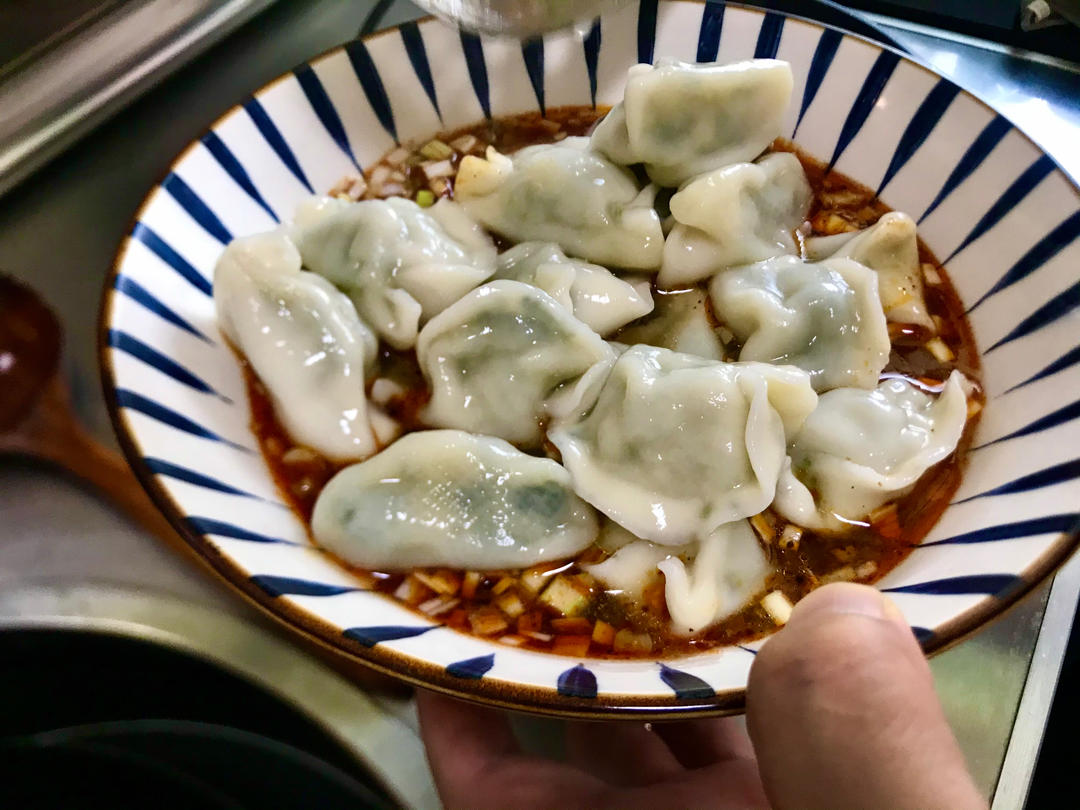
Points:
point(1002, 215)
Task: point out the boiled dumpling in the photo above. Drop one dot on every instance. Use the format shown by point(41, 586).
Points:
point(313, 210)
point(824, 318)
point(680, 322)
point(496, 356)
point(736, 215)
point(637, 455)
point(448, 498)
point(400, 264)
point(728, 568)
point(682, 119)
point(577, 398)
point(631, 568)
point(891, 248)
point(704, 581)
point(596, 296)
point(565, 194)
point(860, 449)
point(304, 341)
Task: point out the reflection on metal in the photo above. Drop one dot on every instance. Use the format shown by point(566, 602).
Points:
point(518, 18)
point(62, 91)
point(980, 682)
point(374, 730)
point(946, 38)
point(1038, 696)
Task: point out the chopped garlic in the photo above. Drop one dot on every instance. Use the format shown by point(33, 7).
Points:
point(357, 189)
point(466, 143)
point(763, 527)
point(844, 574)
point(778, 606)
point(940, 350)
point(533, 580)
point(398, 156)
point(603, 633)
point(379, 175)
point(470, 583)
point(510, 604)
point(299, 455)
point(446, 583)
point(837, 224)
point(384, 390)
point(438, 605)
point(440, 168)
point(791, 536)
point(866, 569)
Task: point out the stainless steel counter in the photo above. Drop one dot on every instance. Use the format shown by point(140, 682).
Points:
point(59, 231)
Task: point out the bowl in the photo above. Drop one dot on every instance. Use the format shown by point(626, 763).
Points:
point(1004, 218)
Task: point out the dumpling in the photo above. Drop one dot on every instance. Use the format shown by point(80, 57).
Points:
point(704, 582)
point(680, 322)
point(683, 119)
point(631, 568)
point(596, 296)
point(578, 397)
point(891, 248)
point(399, 263)
point(824, 318)
point(736, 215)
point(313, 210)
point(637, 454)
point(305, 342)
point(448, 498)
point(565, 194)
point(495, 357)
point(860, 449)
point(728, 568)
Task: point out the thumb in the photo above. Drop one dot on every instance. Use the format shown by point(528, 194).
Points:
point(842, 712)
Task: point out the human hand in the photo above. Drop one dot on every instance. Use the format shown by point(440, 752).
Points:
point(840, 706)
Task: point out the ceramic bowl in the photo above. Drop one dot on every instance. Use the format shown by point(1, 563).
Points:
point(1002, 216)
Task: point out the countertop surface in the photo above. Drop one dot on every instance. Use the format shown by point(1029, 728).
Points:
point(59, 545)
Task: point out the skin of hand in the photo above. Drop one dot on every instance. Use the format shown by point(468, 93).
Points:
point(840, 707)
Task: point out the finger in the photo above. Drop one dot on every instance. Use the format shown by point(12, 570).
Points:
point(622, 754)
point(697, 743)
point(842, 711)
point(477, 763)
point(461, 739)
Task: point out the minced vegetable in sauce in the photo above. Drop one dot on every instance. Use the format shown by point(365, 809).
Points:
point(559, 607)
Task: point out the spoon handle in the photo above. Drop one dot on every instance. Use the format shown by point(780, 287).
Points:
point(52, 433)
point(108, 472)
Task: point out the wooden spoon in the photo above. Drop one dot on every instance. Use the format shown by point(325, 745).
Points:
point(36, 417)
point(37, 420)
